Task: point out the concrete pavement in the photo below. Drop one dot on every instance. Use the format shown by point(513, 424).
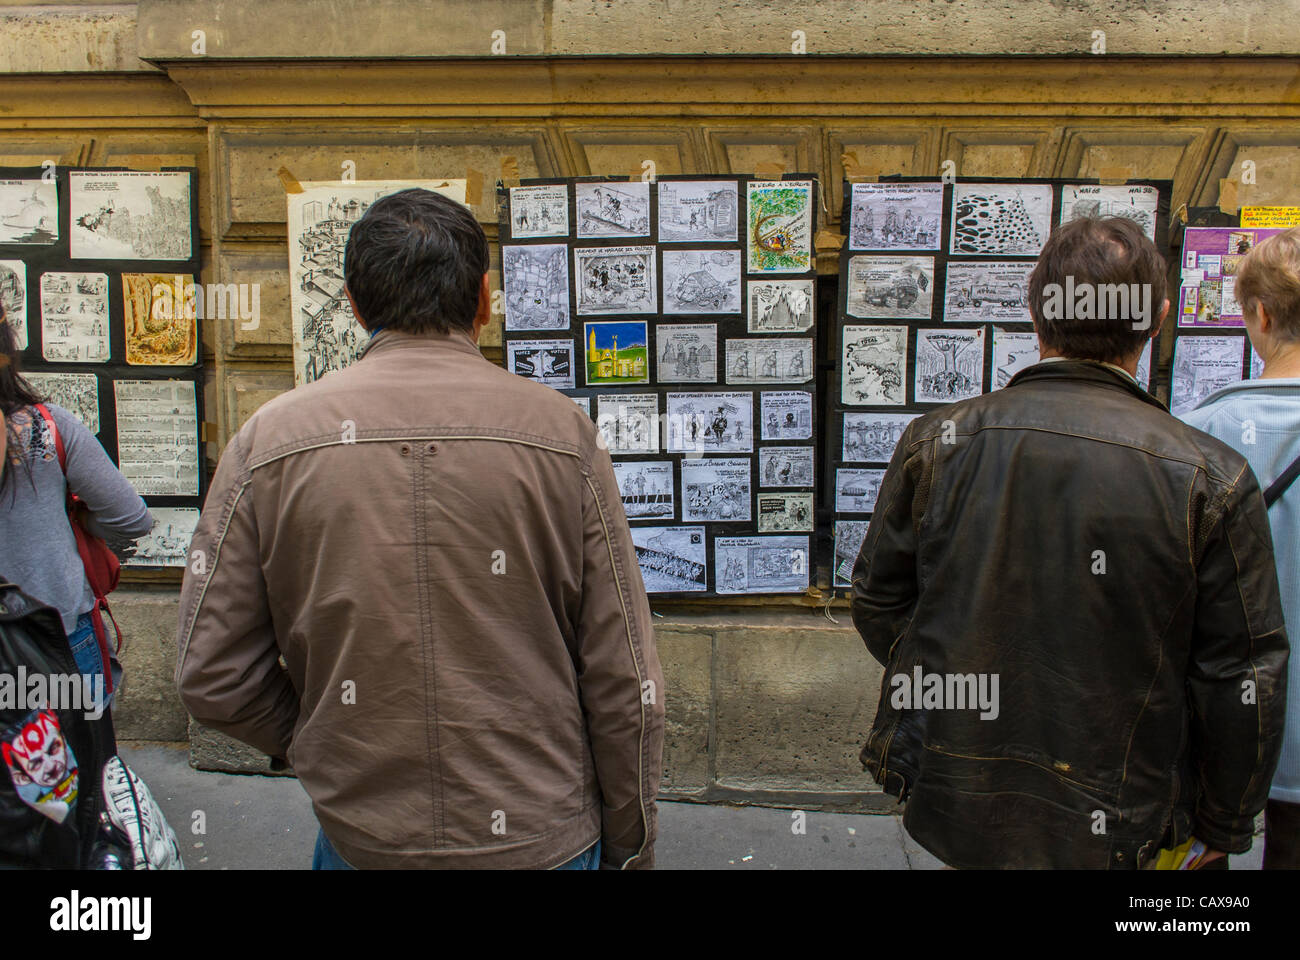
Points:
point(259, 822)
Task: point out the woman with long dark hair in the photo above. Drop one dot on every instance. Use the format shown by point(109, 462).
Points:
point(38, 550)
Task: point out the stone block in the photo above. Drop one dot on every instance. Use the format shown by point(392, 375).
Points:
point(147, 706)
point(686, 656)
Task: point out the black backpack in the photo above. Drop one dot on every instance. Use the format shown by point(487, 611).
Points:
point(39, 747)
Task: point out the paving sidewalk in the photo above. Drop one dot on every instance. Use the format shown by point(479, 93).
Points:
point(257, 822)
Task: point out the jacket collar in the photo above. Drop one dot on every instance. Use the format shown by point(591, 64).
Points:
point(1088, 371)
point(388, 340)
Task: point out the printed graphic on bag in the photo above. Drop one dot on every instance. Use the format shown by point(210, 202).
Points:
point(42, 765)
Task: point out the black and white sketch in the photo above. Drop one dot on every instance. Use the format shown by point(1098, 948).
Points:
point(74, 317)
point(584, 402)
point(535, 282)
point(158, 436)
point(1203, 365)
point(771, 360)
point(1001, 219)
point(548, 362)
point(78, 393)
point(710, 422)
point(629, 422)
point(760, 564)
point(613, 209)
point(646, 487)
point(672, 559)
point(856, 490)
point(1256, 365)
point(988, 290)
point(1144, 367)
point(701, 281)
point(29, 212)
point(1013, 350)
point(873, 366)
point(949, 365)
point(1136, 202)
point(890, 288)
point(698, 211)
point(785, 466)
point(615, 279)
point(785, 512)
point(896, 216)
point(326, 336)
point(872, 437)
point(539, 211)
point(849, 535)
point(688, 352)
point(786, 414)
point(129, 215)
point(716, 489)
point(780, 306)
point(13, 297)
point(168, 543)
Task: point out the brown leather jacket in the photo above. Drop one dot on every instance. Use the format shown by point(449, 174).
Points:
point(438, 551)
point(1113, 569)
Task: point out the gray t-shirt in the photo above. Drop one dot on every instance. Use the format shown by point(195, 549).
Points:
point(37, 549)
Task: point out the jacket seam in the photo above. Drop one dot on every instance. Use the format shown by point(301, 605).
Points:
point(212, 572)
point(1254, 672)
point(388, 439)
point(1112, 794)
point(627, 624)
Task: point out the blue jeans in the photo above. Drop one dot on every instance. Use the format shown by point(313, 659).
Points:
point(326, 857)
point(89, 658)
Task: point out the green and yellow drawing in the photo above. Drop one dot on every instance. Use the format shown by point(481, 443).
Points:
point(616, 352)
point(159, 316)
point(780, 228)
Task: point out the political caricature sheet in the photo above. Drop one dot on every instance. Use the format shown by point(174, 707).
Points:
point(629, 422)
point(716, 489)
point(896, 216)
point(672, 559)
point(701, 281)
point(1000, 219)
point(780, 306)
point(949, 365)
point(326, 336)
point(779, 235)
point(129, 215)
point(78, 393)
point(785, 466)
point(688, 352)
point(74, 317)
point(856, 490)
point(785, 512)
point(13, 297)
point(535, 285)
point(1013, 350)
point(539, 211)
point(786, 414)
point(29, 212)
point(698, 211)
point(710, 422)
point(646, 487)
point(849, 535)
point(872, 437)
point(987, 290)
point(770, 360)
point(615, 280)
point(760, 564)
point(168, 543)
point(1136, 202)
point(890, 288)
point(873, 366)
point(613, 209)
point(548, 362)
point(1203, 365)
point(157, 436)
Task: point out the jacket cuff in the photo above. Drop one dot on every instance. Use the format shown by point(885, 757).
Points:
point(1233, 838)
point(614, 858)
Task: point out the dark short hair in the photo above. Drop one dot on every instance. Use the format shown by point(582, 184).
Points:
point(1099, 252)
point(414, 262)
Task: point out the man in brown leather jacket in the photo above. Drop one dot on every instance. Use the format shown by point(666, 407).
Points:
point(1074, 598)
point(438, 551)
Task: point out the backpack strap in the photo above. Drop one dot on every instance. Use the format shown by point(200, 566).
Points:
point(1279, 486)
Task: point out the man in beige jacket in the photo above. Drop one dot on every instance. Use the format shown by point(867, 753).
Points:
point(437, 551)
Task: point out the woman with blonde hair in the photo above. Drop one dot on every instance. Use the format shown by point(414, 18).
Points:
point(1260, 419)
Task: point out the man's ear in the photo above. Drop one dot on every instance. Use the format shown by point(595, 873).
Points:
point(355, 312)
point(484, 312)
